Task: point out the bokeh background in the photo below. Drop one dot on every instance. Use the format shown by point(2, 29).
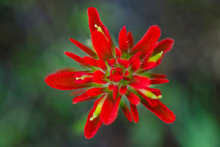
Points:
point(34, 35)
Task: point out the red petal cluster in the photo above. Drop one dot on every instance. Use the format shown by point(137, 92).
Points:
point(112, 72)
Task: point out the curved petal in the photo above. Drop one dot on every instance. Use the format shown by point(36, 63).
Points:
point(134, 112)
point(148, 65)
point(145, 45)
point(161, 111)
point(78, 92)
point(157, 76)
point(124, 62)
point(84, 48)
point(67, 80)
point(101, 45)
point(67, 69)
point(92, 126)
point(99, 77)
point(90, 61)
point(159, 81)
point(140, 82)
point(155, 91)
point(126, 111)
point(130, 40)
point(115, 92)
point(101, 64)
point(118, 52)
point(134, 99)
point(151, 102)
point(94, 19)
point(76, 58)
point(123, 41)
point(136, 65)
point(134, 57)
point(96, 24)
point(164, 45)
point(88, 95)
point(123, 90)
point(109, 110)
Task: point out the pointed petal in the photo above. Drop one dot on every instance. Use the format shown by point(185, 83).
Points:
point(110, 42)
point(140, 82)
point(134, 99)
point(76, 58)
point(99, 77)
point(164, 45)
point(157, 76)
point(136, 65)
point(123, 90)
point(123, 62)
point(134, 57)
point(67, 81)
point(126, 111)
point(111, 62)
point(159, 81)
point(94, 19)
point(134, 112)
point(161, 111)
point(68, 69)
point(101, 45)
point(146, 43)
point(82, 98)
point(88, 95)
point(78, 92)
point(130, 40)
point(148, 65)
point(118, 52)
point(84, 48)
point(123, 43)
point(152, 102)
point(155, 91)
point(109, 110)
point(101, 64)
point(90, 61)
point(115, 92)
point(92, 126)
point(96, 24)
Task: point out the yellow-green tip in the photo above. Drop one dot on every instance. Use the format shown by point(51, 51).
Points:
point(156, 57)
point(150, 94)
point(98, 109)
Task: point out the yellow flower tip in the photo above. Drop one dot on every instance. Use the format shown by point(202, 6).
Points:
point(159, 96)
point(156, 57)
point(150, 94)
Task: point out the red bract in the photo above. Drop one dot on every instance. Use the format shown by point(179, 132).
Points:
point(112, 72)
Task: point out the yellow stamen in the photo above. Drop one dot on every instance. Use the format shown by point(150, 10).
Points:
point(83, 77)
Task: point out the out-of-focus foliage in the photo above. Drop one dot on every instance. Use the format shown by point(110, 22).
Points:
point(34, 35)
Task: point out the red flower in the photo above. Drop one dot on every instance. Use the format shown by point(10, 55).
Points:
point(112, 72)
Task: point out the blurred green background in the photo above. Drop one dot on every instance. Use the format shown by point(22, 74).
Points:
point(34, 35)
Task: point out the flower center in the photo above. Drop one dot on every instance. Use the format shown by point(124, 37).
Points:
point(116, 74)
